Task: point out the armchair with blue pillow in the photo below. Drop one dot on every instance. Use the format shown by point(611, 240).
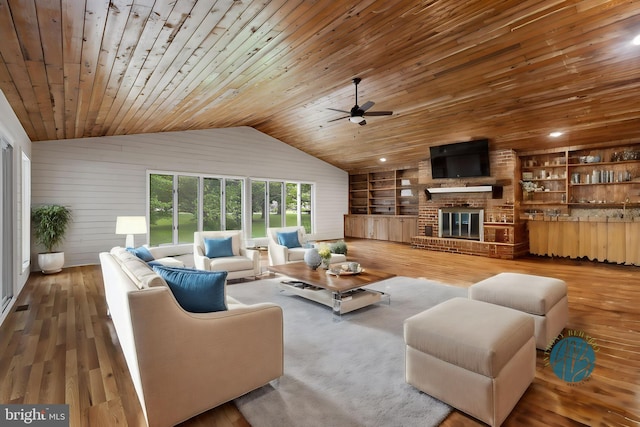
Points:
point(225, 251)
point(289, 244)
point(286, 244)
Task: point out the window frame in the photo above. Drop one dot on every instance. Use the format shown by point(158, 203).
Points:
point(200, 201)
point(283, 202)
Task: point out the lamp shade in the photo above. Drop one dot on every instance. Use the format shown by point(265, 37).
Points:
point(131, 225)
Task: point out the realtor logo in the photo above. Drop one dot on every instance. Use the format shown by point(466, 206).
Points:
point(572, 357)
point(34, 415)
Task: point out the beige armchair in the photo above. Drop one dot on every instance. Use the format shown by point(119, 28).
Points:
point(280, 254)
point(243, 263)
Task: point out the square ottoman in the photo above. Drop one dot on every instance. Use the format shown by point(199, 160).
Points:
point(477, 357)
point(544, 298)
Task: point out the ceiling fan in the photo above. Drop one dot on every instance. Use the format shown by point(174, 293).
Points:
point(357, 113)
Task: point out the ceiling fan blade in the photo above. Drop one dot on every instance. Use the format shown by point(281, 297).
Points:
point(378, 113)
point(367, 105)
point(339, 118)
point(339, 111)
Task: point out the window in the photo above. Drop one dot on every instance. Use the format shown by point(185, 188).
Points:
point(233, 204)
point(188, 208)
point(212, 204)
point(180, 204)
point(271, 208)
point(26, 212)
point(160, 209)
point(275, 203)
point(304, 207)
point(6, 223)
point(259, 216)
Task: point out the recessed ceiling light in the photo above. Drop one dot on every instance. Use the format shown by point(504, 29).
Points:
point(636, 40)
point(382, 159)
point(555, 134)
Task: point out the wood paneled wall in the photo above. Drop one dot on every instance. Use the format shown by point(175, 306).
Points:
point(101, 178)
point(510, 70)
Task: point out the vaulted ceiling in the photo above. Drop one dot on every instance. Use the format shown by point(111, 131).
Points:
point(509, 70)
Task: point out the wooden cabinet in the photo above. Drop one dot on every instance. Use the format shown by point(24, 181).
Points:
point(378, 227)
point(402, 229)
point(397, 228)
point(355, 226)
point(607, 177)
point(391, 192)
point(597, 238)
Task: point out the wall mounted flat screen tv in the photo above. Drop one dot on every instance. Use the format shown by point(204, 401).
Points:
point(460, 160)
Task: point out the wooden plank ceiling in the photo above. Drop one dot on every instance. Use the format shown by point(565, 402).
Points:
point(509, 70)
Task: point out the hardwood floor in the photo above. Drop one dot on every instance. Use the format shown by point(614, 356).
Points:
point(58, 346)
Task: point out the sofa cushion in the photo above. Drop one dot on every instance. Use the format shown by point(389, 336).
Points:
point(167, 262)
point(218, 248)
point(138, 271)
point(289, 239)
point(235, 263)
point(142, 253)
point(197, 291)
point(171, 250)
point(297, 254)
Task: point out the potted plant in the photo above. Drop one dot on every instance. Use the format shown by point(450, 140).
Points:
point(339, 247)
point(50, 224)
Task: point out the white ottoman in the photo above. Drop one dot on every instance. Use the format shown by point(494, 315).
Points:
point(477, 357)
point(544, 298)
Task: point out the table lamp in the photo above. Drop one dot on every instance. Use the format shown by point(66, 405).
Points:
point(131, 225)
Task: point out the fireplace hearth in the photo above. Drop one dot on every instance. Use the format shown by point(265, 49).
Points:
point(461, 223)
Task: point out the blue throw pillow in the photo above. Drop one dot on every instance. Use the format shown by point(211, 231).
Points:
point(289, 239)
point(197, 291)
point(217, 248)
point(142, 253)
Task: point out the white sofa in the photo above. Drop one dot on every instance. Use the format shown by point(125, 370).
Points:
point(280, 254)
point(181, 363)
point(243, 263)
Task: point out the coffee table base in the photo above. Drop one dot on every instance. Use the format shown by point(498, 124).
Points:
point(340, 302)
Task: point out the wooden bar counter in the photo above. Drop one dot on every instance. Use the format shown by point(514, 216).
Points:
point(608, 239)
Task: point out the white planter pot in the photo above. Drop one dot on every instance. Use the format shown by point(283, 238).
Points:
point(51, 262)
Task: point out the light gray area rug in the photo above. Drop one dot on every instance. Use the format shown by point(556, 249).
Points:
point(347, 373)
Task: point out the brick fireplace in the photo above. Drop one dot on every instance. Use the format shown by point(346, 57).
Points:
point(457, 195)
point(461, 223)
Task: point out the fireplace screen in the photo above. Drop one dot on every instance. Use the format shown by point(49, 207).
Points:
point(461, 223)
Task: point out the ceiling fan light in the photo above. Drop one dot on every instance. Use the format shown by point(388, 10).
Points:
point(356, 119)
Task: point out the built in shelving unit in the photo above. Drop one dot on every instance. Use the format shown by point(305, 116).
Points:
point(383, 205)
point(606, 177)
point(392, 192)
point(569, 186)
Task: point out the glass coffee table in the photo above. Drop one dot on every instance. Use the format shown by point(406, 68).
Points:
point(343, 293)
